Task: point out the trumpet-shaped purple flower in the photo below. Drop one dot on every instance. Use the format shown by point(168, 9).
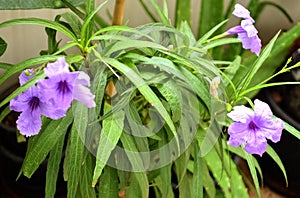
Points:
point(246, 32)
point(32, 106)
point(252, 128)
point(62, 86)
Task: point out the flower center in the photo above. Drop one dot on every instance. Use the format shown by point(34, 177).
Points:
point(252, 126)
point(34, 103)
point(63, 87)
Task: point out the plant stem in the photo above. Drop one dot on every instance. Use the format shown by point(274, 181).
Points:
point(118, 12)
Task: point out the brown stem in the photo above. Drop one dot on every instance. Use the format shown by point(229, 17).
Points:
point(118, 12)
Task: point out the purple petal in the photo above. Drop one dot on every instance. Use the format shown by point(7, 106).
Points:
point(262, 109)
point(272, 129)
point(59, 89)
point(238, 133)
point(20, 103)
point(236, 30)
point(252, 43)
point(248, 26)
point(241, 12)
point(83, 79)
point(241, 114)
point(57, 67)
point(81, 92)
point(25, 76)
point(49, 110)
point(256, 144)
point(29, 123)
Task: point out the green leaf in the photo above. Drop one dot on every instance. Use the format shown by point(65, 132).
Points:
point(226, 173)
point(253, 172)
point(198, 182)
point(193, 81)
point(4, 113)
point(108, 184)
point(142, 184)
point(109, 137)
point(210, 15)
point(240, 152)
point(35, 4)
point(275, 60)
point(136, 164)
point(73, 21)
point(53, 168)
point(3, 46)
point(76, 151)
point(26, 64)
point(40, 145)
point(170, 92)
point(42, 22)
point(292, 130)
point(183, 12)
point(160, 13)
point(5, 66)
point(85, 30)
point(98, 86)
point(86, 189)
point(133, 44)
point(220, 42)
point(186, 186)
point(256, 66)
point(146, 91)
point(278, 161)
point(209, 33)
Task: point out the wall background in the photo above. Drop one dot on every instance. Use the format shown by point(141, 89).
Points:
point(26, 41)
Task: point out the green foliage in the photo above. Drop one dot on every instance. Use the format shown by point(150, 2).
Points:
point(35, 4)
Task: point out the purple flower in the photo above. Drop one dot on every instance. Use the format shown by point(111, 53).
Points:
point(62, 86)
point(246, 32)
point(254, 127)
point(32, 107)
point(82, 92)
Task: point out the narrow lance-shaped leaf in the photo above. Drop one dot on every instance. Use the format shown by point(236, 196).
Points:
point(256, 65)
point(211, 14)
point(146, 92)
point(109, 137)
point(108, 184)
point(41, 22)
point(278, 161)
point(26, 64)
point(53, 168)
point(183, 11)
point(41, 144)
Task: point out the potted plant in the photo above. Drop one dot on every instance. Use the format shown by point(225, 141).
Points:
point(141, 111)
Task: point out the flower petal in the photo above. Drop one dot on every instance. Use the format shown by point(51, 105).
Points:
point(262, 109)
point(57, 67)
point(236, 30)
point(238, 133)
point(29, 123)
point(252, 43)
point(59, 89)
point(20, 103)
point(248, 26)
point(272, 129)
point(25, 76)
point(241, 12)
point(256, 144)
point(241, 114)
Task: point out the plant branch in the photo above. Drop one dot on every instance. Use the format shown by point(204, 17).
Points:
point(118, 12)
